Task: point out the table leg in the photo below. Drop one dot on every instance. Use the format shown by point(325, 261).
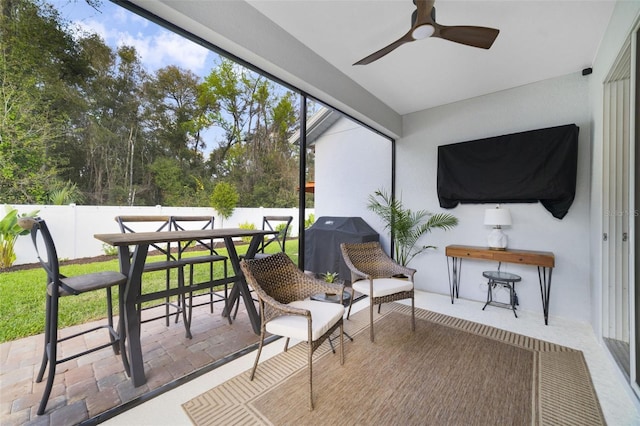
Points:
point(454, 270)
point(240, 287)
point(545, 290)
point(122, 329)
point(133, 270)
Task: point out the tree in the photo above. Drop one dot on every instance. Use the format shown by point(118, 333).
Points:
point(41, 66)
point(77, 112)
point(224, 199)
point(257, 119)
point(102, 147)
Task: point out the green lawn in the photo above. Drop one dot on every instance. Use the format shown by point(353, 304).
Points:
point(22, 294)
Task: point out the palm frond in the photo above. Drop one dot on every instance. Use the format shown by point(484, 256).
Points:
point(407, 226)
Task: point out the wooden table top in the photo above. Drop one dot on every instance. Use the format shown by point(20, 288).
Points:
point(133, 238)
point(525, 257)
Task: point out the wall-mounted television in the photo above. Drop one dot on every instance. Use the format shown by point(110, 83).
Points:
point(526, 167)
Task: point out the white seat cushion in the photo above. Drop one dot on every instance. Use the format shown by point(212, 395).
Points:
point(383, 286)
point(323, 316)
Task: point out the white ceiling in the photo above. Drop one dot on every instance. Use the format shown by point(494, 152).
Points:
point(537, 40)
point(312, 44)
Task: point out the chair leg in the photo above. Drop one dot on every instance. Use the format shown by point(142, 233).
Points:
point(342, 344)
point(371, 318)
point(47, 339)
point(114, 342)
point(186, 316)
point(51, 349)
point(211, 289)
point(255, 364)
point(413, 313)
point(310, 345)
point(167, 301)
point(226, 299)
point(286, 344)
point(353, 293)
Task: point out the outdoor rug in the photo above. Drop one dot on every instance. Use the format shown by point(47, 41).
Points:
point(449, 372)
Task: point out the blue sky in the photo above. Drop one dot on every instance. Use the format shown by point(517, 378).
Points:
point(156, 46)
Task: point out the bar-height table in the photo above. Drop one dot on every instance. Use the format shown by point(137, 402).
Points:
point(132, 266)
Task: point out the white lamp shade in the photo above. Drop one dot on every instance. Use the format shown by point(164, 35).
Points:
point(497, 217)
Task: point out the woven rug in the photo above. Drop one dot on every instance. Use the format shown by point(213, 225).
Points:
point(449, 372)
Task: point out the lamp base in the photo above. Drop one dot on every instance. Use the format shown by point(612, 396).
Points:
point(497, 239)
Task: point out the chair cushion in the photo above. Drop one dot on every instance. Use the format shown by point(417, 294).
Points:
point(323, 316)
point(383, 286)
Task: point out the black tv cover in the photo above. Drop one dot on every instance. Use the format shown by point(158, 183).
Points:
point(538, 165)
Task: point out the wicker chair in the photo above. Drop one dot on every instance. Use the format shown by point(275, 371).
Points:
point(285, 308)
point(375, 274)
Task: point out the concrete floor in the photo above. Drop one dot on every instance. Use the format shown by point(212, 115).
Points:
point(619, 405)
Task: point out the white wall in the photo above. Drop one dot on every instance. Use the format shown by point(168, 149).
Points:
point(351, 163)
point(73, 227)
point(548, 103)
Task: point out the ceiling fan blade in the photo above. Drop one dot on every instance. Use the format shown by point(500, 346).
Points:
point(380, 53)
point(424, 13)
point(481, 37)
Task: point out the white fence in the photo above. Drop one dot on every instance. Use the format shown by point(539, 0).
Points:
point(73, 227)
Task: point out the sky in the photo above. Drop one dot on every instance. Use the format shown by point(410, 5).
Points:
point(156, 46)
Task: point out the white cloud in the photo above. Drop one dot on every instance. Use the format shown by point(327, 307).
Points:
point(155, 46)
point(89, 26)
point(181, 51)
point(164, 48)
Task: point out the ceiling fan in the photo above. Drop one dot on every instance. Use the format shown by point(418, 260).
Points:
point(423, 25)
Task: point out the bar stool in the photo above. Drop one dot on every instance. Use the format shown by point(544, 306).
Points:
point(504, 279)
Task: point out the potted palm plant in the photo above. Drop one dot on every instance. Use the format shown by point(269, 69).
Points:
point(10, 230)
point(406, 226)
point(330, 277)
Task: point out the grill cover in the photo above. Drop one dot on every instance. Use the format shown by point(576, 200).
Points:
point(322, 243)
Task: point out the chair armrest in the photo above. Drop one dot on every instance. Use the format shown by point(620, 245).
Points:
point(273, 309)
point(405, 270)
point(389, 266)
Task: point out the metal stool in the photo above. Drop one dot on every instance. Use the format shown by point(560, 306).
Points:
point(503, 279)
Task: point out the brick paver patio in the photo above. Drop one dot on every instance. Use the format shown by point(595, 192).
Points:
point(95, 383)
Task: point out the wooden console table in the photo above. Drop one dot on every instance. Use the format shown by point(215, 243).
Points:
point(544, 260)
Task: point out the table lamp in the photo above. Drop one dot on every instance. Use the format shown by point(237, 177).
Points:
point(497, 218)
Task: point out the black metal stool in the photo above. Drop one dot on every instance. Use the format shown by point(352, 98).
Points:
point(504, 279)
